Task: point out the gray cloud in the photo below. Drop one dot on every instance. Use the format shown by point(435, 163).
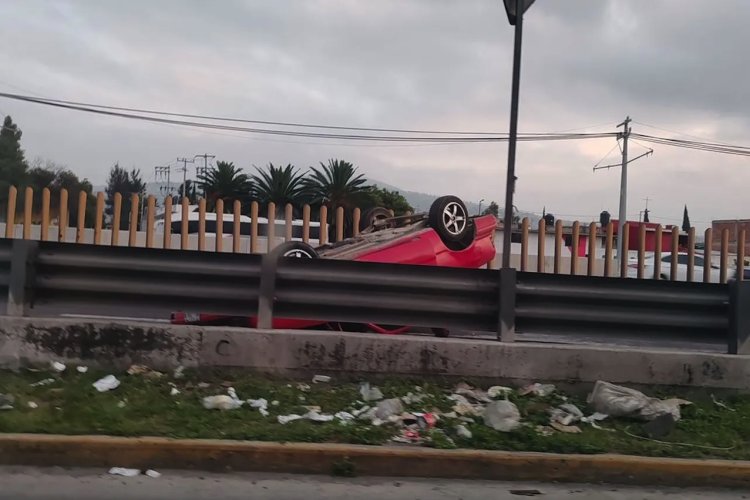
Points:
point(409, 64)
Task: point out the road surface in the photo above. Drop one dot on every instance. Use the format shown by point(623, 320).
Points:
point(20, 483)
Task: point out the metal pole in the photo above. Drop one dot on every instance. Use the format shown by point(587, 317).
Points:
point(510, 182)
point(622, 218)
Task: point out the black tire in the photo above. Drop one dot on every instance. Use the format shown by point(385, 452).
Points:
point(295, 249)
point(373, 215)
point(449, 218)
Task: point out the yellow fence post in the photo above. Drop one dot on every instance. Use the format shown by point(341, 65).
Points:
point(116, 209)
point(28, 206)
point(150, 219)
point(356, 220)
point(62, 226)
point(10, 220)
point(83, 199)
point(45, 214)
point(323, 238)
point(133, 225)
point(167, 222)
point(219, 225)
point(202, 224)
point(306, 223)
point(254, 227)
point(98, 218)
point(540, 246)
point(339, 223)
point(237, 216)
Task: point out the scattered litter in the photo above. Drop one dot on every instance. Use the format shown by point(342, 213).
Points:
point(544, 430)
point(594, 418)
point(301, 398)
point(361, 411)
point(312, 408)
point(33, 405)
point(179, 372)
point(317, 417)
point(464, 408)
point(285, 419)
point(618, 401)
point(502, 416)
point(570, 429)
point(174, 391)
point(6, 401)
point(203, 385)
point(152, 473)
point(344, 416)
point(122, 471)
point(566, 414)
point(537, 389)
point(122, 403)
point(450, 414)
point(388, 407)
point(46, 381)
point(321, 379)
point(144, 370)
point(232, 393)
point(274, 403)
point(82, 369)
point(57, 366)
point(478, 395)
point(260, 404)
point(370, 393)
point(499, 391)
point(221, 402)
point(412, 398)
point(463, 432)
point(303, 387)
point(408, 436)
point(720, 404)
point(426, 420)
point(106, 384)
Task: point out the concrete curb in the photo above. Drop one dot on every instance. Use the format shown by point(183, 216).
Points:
point(310, 458)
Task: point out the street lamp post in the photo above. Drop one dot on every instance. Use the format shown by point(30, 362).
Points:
point(479, 212)
point(515, 10)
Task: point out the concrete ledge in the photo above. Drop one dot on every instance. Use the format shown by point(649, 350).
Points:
point(308, 458)
point(32, 340)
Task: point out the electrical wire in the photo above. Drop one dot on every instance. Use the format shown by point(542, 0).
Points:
point(701, 146)
point(617, 144)
point(297, 133)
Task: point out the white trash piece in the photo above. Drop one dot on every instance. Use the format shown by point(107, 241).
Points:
point(502, 416)
point(122, 471)
point(389, 407)
point(46, 381)
point(179, 372)
point(107, 383)
point(82, 369)
point(260, 404)
point(318, 417)
point(499, 391)
point(57, 366)
point(618, 401)
point(369, 393)
point(232, 393)
point(285, 419)
point(152, 473)
point(174, 392)
point(566, 414)
point(321, 379)
point(537, 389)
point(463, 432)
point(221, 402)
point(344, 416)
point(33, 405)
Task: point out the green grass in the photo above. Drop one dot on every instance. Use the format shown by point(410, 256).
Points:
point(72, 406)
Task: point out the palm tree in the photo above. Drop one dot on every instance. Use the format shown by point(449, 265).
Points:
point(336, 184)
point(280, 185)
point(226, 182)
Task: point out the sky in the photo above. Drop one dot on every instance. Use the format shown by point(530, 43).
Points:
point(676, 67)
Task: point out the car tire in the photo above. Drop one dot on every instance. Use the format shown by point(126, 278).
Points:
point(373, 215)
point(295, 249)
point(450, 219)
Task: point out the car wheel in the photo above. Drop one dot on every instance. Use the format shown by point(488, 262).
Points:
point(449, 218)
point(372, 216)
point(295, 250)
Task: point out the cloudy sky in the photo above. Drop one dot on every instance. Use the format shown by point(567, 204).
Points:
point(430, 64)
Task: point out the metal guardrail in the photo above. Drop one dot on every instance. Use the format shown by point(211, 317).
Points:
point(49, 278)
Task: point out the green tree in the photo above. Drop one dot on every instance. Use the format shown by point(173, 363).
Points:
point(280, 185)
point(126, 183)
point(13, 168)
point(393, 200)
point(191, 192)
point(337, 184)
point(226, 182)
point(493, 209)
point(56, 178)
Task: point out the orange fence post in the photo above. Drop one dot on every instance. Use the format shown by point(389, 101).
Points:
point(202, 224)
point(219, 225)
point(558, 245)
point(641, 250)
point(625, 235)
point(740, 255)
point(184, 223)
point(28, 203)
point(45, 214)
point(116, 209)
point(83, 198)
point(574, 248)
point(237, 215)
point(356, 219)
point(168, 222)
point(691, 255)
point(98, 218)
point(254, 227)
point(590, 271)
point(657, 252)
point(306, 223)
point(540, 246)
point(339, 223)
point(271, 227)
point(707, 255)
point(608, 242)
point(524, 244)
point(288, 221)
point(675, 249)
point(323, 238)
point(150, 218)
point(10, 220)
point(62, 226)
point(133, 226)
point(724, 259)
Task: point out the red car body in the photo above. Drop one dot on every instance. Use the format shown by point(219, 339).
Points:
point(418, 245)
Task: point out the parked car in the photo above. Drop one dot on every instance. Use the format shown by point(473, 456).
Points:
point(445, 236)
point(682, 267)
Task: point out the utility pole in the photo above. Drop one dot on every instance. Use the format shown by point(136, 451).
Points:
point(199, 171)
point(622, 217)
point(160, 174)
point(184, 161)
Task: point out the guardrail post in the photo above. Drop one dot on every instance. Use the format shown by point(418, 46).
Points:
point(739, 317)
point(506, 329)
point(21, 262)
point(267, 290)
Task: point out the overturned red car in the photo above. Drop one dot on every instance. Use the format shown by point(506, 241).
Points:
point(445, 236)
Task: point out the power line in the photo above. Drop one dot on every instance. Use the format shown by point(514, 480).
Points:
point(296, 133)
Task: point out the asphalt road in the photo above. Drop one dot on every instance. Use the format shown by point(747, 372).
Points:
point(85, 484)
